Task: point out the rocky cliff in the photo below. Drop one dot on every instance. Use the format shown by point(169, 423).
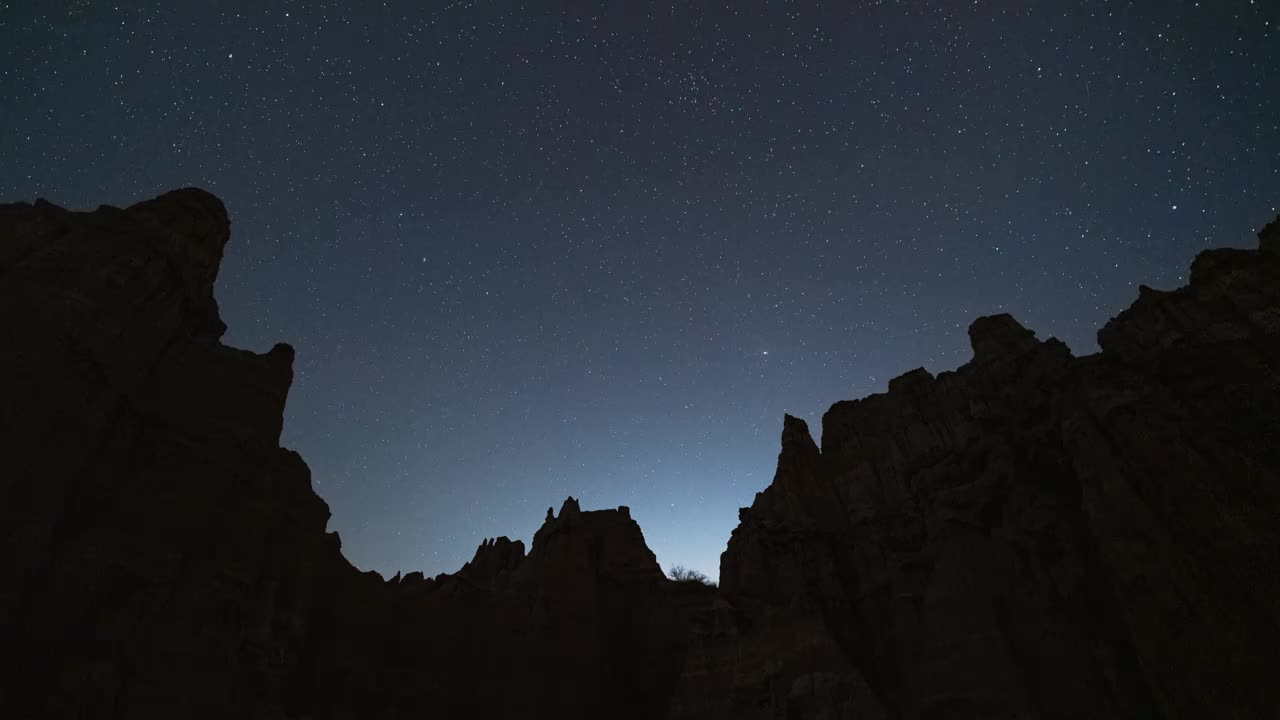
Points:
point(1032, 535)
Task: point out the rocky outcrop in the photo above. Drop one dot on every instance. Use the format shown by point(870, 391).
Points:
point(158, 543)
point(584, 626)
point(1031, 535)
point(166, 558)
point(1035, 534)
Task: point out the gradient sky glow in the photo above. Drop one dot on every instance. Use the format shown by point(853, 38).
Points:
point(530, 250)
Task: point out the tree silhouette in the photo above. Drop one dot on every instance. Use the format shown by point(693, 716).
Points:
point(680, 573)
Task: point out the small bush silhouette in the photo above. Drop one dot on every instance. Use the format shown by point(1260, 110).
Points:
point(680, 573)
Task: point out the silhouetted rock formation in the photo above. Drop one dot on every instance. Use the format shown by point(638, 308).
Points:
point(1031, 535)
point(1039, 535)
point(166, 558)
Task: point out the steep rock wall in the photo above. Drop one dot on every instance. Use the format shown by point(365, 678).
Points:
point(1040, 535)
point(1032, 535)
point(166, 558)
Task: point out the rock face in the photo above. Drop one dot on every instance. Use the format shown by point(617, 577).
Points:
point(1033, 535)
point(166, 558)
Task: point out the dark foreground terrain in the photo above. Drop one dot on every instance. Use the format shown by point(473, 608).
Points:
point(1034, 535)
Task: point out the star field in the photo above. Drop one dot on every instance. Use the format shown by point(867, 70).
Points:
point(533, 250)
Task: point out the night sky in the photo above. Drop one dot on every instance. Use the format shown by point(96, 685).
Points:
point(525, 253)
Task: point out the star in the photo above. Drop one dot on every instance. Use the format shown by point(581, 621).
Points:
point(586, 207)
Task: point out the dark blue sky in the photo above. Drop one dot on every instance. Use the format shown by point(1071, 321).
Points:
point(525, 253)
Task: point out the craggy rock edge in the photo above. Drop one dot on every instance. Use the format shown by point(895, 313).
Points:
point(1031, 535)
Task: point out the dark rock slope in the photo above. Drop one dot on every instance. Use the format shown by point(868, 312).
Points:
point(1031, 535)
